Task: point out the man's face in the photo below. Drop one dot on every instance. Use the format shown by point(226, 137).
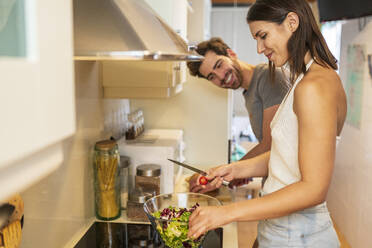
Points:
point(221, 70)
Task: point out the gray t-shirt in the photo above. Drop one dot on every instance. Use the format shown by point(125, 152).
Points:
point(262, 94)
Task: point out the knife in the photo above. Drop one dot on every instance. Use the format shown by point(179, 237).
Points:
point(203, 180)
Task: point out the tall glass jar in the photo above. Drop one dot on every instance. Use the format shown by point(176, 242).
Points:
point(124, 177)
point(107, 180)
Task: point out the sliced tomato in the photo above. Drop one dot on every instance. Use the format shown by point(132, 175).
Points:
point(203, 180)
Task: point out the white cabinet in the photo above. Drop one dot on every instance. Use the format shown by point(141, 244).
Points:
point(198, 21)
point(142, 79)
point(174, 12)
point(156, 146)
point(230, 24)
point(149, 79)
point(37, 91)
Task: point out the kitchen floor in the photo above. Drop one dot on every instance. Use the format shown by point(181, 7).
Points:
point(247, 231)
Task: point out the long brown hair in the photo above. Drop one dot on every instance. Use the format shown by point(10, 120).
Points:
point(307, 37)
point(214, 44)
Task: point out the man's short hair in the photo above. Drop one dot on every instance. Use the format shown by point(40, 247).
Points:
point(214, 44)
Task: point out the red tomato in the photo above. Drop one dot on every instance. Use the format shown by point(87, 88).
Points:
point(203, 180)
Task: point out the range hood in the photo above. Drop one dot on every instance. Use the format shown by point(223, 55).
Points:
point(124, 30)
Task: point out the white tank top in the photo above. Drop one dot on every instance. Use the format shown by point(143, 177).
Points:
point(283, 165)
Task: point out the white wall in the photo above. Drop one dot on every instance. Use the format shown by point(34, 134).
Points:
point(350, 195)
point(230, 24)
point(67, 194)
point(201, 111)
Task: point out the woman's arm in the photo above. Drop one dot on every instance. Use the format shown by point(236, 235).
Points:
point(254, 167)
point(315, 106)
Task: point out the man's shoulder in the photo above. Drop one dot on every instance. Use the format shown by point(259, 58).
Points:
point(261, 73)
point(263, 67)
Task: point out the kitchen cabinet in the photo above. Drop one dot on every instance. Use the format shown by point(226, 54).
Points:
point(198, 21)
point(174, 12)
point(37, 95)
point(142, 79)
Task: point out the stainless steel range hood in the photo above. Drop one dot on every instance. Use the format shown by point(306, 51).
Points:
point(124, 30)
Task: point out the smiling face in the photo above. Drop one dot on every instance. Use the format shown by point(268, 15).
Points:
point(272, 39)
point(221, 70)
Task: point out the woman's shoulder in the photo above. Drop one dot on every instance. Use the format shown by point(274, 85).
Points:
point(321, 93)
point(321, 80)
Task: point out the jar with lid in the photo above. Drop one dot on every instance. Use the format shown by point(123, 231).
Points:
point(137, 198)
point(107, 180)
point(124, 178)
point(148, 176)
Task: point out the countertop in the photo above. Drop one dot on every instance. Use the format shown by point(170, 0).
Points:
point(66, 233)
point(230, 234)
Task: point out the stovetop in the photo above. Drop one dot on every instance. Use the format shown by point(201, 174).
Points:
point(126, 235)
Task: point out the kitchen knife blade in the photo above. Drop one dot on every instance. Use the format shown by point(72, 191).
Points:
point(192, 168)
point(189, 167)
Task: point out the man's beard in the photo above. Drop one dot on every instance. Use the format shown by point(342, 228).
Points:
point(237, 71)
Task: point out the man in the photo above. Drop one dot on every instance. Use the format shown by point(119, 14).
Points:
point(262, 94)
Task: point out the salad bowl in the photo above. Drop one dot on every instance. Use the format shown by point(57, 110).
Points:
point(169, 215)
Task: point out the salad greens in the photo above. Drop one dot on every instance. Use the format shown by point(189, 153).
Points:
point(173, 226)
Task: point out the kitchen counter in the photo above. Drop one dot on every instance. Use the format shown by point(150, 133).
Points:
point(66, 233)
point(230, 234)
point(51, 232)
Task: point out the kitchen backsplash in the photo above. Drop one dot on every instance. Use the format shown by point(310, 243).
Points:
point(68, 192)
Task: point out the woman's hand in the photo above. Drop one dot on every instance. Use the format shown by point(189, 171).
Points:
point(215, 178)
point(195, 186)
point(222, 172)
point(204, 219)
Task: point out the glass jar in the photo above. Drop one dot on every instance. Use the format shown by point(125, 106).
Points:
point(137, 198)
point(148, 176)
point(107, 180)
point(124, 178)
point(135, 124)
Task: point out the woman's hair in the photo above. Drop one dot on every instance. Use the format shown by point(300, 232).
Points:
point(216, 45)
point(307, 37)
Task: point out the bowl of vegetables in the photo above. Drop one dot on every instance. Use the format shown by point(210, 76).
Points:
point(169, 215)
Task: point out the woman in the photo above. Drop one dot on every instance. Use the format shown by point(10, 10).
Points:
point(292, 210)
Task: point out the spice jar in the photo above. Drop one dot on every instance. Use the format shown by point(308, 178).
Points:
point(107, 180)
point(124, 177)
point(137, 198)
point(148, 176)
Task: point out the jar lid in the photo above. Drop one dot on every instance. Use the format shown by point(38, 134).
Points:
point(139, 196)
point(124, 161)
point(105, 145)
point(148, 170)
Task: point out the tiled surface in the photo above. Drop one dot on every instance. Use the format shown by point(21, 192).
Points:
point(201, 111)
point(67, 194)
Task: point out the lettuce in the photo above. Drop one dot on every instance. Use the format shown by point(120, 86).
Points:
point(173, 226)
